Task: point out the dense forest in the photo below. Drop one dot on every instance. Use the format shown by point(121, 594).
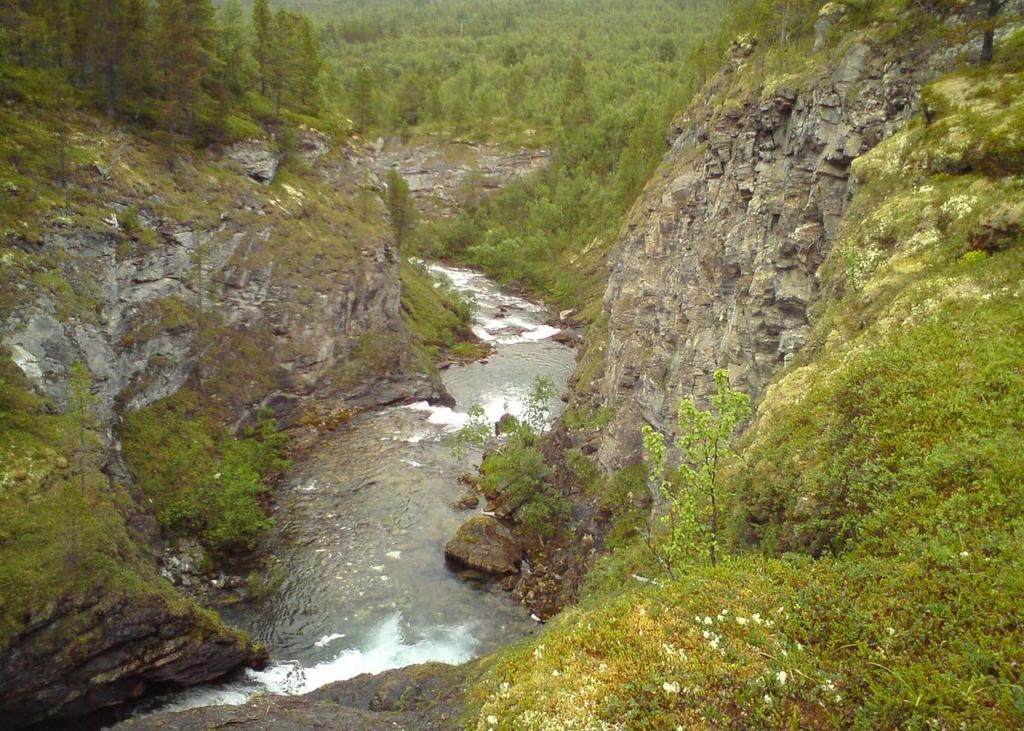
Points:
point(176, 65)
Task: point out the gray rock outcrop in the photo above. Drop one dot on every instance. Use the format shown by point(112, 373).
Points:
point(716, 267)
point(484, 544)
point(445, 177)
point(101, 650)
point(259, 160)
point(429, 696)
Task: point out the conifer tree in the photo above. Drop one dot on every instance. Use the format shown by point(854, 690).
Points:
point(401, 207)
point(234, 63)
point(116, 31)
point(362, 97)
point(281, 60)
point(184, 28)
point(308, 62)
point(262, 39)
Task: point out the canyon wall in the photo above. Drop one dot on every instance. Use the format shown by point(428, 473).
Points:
point(717, 264)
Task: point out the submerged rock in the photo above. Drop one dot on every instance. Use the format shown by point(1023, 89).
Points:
point(483, 543)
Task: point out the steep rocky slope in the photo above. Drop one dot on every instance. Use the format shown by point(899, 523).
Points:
point(282, 276)
point(718, 264)
point(260, 275)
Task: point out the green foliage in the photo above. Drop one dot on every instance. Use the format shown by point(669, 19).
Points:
point(578, 419)
point(58, 543)
point(177, 64)
point(932, 641)
point(692, 494)
point(401, 208)
point(202, 482)
point(437, 315)
point(517, 473)
point(920, 426)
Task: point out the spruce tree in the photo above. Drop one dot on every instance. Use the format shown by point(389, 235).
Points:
point(308, 62)
point(401, 207)
point(184, 29)
point(362, 98)
point(112, 35)
point(281, 60)
point(262, 39)
point(234, 64)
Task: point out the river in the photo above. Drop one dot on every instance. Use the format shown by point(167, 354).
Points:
point(361, 524)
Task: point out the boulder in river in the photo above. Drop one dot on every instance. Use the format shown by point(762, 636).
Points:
point(483, 543)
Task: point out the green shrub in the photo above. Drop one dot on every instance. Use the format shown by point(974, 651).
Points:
point(203, 483)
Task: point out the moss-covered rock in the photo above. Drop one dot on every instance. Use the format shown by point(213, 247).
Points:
point(483, 543)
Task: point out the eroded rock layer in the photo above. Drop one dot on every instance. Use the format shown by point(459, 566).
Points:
point(716, 266)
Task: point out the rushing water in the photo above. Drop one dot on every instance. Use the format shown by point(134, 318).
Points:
point(362, 523)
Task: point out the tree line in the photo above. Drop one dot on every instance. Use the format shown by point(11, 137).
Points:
point(181, 65)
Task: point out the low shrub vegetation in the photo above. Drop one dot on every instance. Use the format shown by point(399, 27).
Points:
point(203, 483)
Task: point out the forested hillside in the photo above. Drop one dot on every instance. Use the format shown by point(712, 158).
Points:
point(600, 81)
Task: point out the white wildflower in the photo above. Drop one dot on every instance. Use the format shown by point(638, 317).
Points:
point(741, 621)
point(959, 206)
point(555, 673)
point(708, 621)
point(780, 677)
point(965, 554)
point(756, 617)
point(890, 630)
point(670, 688)
point(492, 720)
point(767, 699)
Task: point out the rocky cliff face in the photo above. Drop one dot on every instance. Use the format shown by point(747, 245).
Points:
point(447, 176)
point(256, 297)
point(132, 647)
point(716, 267)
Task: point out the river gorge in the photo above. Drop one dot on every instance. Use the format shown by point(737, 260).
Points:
point(362, 520)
